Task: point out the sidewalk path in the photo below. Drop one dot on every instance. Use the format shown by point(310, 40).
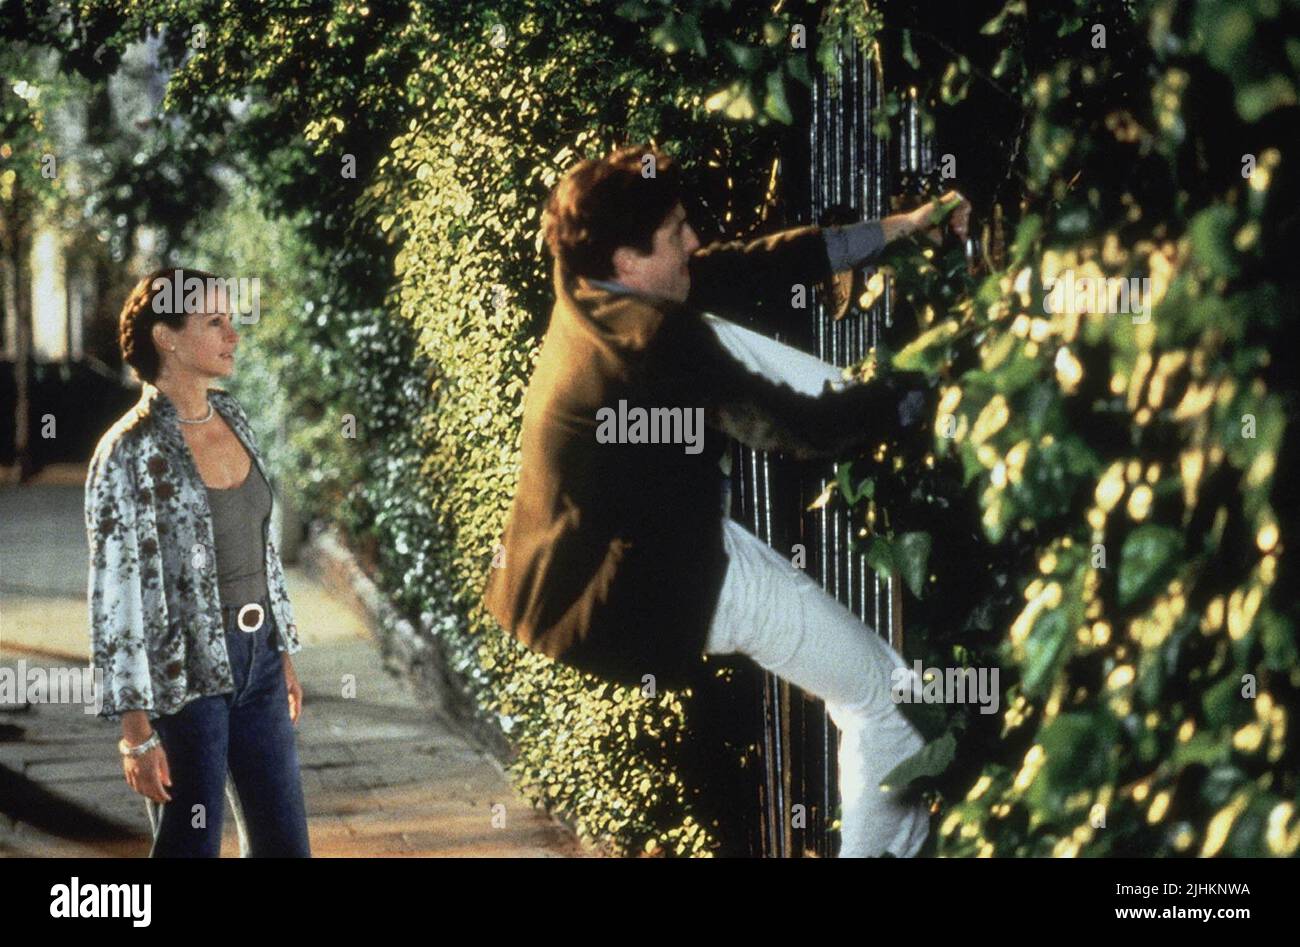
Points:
point(383, 773)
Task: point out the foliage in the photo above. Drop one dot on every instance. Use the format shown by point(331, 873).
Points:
point(1102, 508)
point(466, 184)
point(1129, 467)
point(411, 297)
point(70, 146)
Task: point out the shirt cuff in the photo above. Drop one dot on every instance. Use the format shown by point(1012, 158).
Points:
point(854, 245)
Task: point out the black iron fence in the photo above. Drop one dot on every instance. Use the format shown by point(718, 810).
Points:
point(840, 172)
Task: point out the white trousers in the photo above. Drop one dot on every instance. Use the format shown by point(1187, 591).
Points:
point(773, 612)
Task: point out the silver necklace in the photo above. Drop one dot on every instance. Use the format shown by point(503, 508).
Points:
point(207, 417)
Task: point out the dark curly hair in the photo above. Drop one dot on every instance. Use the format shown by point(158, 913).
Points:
point(135, 324)
point(603, 204)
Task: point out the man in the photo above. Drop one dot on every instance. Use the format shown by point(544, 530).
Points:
point(618, 557)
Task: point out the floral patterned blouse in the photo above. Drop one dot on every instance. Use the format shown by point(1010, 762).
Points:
point(156, 625)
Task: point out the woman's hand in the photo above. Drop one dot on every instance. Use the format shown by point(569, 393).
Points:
point(148, 774)
point(294, 688)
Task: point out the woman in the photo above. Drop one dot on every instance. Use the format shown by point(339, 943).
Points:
point(190, 622)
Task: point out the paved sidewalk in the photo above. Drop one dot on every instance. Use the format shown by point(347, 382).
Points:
point(383, 774)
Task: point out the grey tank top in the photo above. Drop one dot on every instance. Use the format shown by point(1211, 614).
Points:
point(238, 516)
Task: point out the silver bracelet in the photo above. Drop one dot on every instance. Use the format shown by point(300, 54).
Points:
point(127, 749)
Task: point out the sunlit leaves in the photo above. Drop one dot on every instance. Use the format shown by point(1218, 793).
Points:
point(736, 101)
point(956, 81)
point(676, 33)
point(927, 351)
point(999, 22)
point(1148, 439)
point(1124, 173)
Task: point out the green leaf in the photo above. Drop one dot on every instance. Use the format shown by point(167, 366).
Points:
point(927, 351)
point(1258, 99)
point(931, 760)
point(746, 57)
point(1079, 751)
point(1069, 25)
point(675, 34)
point(1004, 62)
point(1204, 749)
point(1026, 234)
point(912, 551)
point(880, 556)
point(994, 353)
point(776, 105)
point(798, 66)
point(998, 23)
point(844, 478)
point(1232, 27)
point(1075, 221)
point(1148, 559)
point(1219, 701)
point(1211, 232)
point(736, 101)
point(693, 35)
point(909, 54)
point(1046, 645)
point(665, 36)
point(1278, 639)
point(956, 81)
point(1220, 784)
point(828, 53)
point(633, 10)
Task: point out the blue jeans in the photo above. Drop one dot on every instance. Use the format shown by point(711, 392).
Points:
point(246, 735)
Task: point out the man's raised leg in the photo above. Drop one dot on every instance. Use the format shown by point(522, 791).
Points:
point(773, 612)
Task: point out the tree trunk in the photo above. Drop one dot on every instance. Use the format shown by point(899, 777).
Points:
point(15, 236)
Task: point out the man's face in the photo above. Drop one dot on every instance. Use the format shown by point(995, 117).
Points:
point(662, 272)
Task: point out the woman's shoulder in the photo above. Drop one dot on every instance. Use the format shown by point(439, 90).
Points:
point(121, 442)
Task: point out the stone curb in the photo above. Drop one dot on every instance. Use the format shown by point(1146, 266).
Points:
point(406, 653)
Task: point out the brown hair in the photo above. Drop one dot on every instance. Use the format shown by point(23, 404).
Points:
point(139, 316)
point(600, 205)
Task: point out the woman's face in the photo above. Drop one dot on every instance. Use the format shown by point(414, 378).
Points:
point(204, 347)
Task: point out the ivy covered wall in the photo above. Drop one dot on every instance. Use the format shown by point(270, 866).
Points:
point(1102, 508)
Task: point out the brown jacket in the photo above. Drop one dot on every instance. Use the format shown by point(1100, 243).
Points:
point(613, 556)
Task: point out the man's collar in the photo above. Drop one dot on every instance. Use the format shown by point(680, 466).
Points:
point(611, 285)
point(622, 289)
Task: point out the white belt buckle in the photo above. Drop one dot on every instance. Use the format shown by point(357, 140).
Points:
point(251, 607)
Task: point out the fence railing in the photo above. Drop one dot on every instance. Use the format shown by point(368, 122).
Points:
point(841, 172)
